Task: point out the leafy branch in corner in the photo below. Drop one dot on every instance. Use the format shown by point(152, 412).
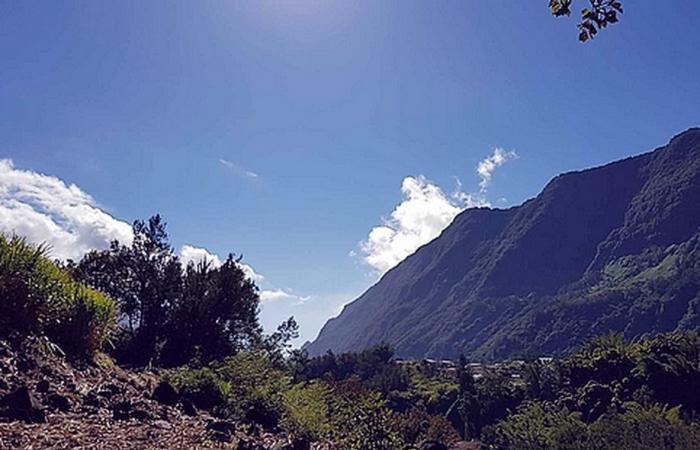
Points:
point(600, 14)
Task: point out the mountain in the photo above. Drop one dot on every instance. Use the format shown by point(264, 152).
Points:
point(615, 248)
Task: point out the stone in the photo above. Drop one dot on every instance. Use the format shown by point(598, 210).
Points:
point(433, 445)
point(296, 444)
point(163, 424)
point(188, 407)
point(109, 390)
point(42, 386)
point(58, 402)
point(166, 394)
point(221, 430)
point(301, 444)
point(94, 401)
point(22, 405)
point(122, 410)
point(248, 445)
point(139, 414)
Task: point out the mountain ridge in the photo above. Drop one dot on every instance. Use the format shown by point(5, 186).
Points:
point(492, 270)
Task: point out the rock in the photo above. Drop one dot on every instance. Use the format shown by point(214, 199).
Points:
point(221, 430)
point(121, 410)
point(248, 445)
point(188, 407)
point(433, 445)
point(94, 401)
point(140, 414)
point(166, 394)
point(301, 444)
point(222, 426)
point(254, 430)
point(263, 416)
point(22, 405)
point(464, 445)
point(58, 402)
point(163, 424)
point(108, 390)
point(297, 444)
point(42, 386)
point(26, 364)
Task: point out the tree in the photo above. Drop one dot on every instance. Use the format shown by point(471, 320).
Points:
point(466, 403)
point(599, 15)
point(215, 316)
point(144, 278)
point(167, 314)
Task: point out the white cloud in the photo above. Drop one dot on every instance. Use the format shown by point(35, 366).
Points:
point(272, 295)
point(251, 273)
point(490, 163)
point(44, 209)
point(424, 212)
point(190, 253)
point(235, 168)
point(195, 255)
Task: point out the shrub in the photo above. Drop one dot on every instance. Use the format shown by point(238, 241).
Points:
point(201, 386)
point(245, 386)
point(306, 411)
point(38, 297)
point(360, 419)
point(538, 426)
point(84, 323)
point(417, 427)
point(256, 387)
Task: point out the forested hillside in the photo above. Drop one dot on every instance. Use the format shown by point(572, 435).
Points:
point(610, 248)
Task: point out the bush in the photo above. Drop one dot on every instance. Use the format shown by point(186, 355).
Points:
point(306, 411)
point(38, 297)
point(245, 386)
point(84, 323)
point(360, 419)
point(201, 386)
point(256, 387)
point(542, 426)
point(417, 427)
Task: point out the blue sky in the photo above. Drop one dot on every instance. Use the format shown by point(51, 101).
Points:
point(284, 130)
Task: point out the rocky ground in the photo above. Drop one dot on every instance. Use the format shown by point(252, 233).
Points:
point(48, 403)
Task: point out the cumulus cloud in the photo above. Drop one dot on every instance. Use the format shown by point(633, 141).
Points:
point(44, 209)
point(488, 165)
point(192, 254)
point(195, 255)
point(235, 168)
point(423, 213)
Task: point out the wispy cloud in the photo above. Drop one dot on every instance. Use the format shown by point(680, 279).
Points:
point(238, 170)
point(273, 295)
point(489, 164)
point(423, 213)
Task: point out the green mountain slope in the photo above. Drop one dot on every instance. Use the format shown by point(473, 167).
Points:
point(610, 248)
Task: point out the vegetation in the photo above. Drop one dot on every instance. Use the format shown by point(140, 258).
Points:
point(170, 315)
point(38, 297)
point(200, 324)
point(597, 16)
point(609, 394)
